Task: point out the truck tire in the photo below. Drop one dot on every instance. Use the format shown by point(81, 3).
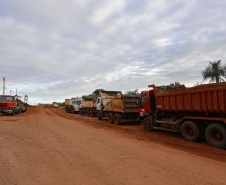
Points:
point(73, 111)
point(190, 131)
point(99, 115)
point(12, 114)
point(91, 114)
point(80, 112)
point(19, 111)
point(148, 123)
point(25, 109)
point(111, 118)
point(216, 135)
point(117, 118)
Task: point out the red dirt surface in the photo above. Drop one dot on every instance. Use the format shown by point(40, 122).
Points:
point(50, 146)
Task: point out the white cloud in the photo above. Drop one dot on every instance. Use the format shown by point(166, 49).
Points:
point(52, 50)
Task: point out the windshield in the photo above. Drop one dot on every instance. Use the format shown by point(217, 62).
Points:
point(143, 100)
point(7, 98)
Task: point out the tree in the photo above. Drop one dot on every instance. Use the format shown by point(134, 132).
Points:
point(176, 83)
point(135, 92)
point(61, 104)
point(214, 71)
point(95, 93)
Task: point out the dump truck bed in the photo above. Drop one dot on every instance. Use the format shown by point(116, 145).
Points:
point(205, 99)
point(121, 103)
point(88, 102)
point(68, 102)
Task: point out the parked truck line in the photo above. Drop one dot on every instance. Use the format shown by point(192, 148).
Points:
point(197, 113)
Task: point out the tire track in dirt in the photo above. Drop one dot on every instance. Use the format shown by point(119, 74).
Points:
point(171, 139)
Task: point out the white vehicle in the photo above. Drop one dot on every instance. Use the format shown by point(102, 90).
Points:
point(55, 105)
point(77, 105)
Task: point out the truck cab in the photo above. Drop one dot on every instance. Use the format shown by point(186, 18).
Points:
point(77, 104)
point(8, 104)
point(99, 104)
point(147, 104)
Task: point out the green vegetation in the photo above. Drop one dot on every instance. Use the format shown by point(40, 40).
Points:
point(176, 83)
point(62, 104)
point(214, 71)
point(134, 92)
point(95, 93)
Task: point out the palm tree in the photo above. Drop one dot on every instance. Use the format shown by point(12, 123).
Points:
point(215, 72)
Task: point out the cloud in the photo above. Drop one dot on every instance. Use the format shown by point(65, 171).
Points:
point(52, 50)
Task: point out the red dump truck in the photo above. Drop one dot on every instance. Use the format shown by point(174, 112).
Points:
point(11, 104)
point(198, 112)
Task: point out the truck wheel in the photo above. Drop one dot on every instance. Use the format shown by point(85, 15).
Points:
point(12, 114)
point(110, 118)
point(117, 118)
point(99, 115)
point(91, 114)
point(148, 123)
point(73, 111)
point(216, 135)
point(190, 131)
point(80, 111)
point(19, 111)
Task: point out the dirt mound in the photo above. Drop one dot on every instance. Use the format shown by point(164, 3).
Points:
point(199, 87)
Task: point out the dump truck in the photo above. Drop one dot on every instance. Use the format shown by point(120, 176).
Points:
point(12, 105)
point(88, 106)
point(73, 105)
point(117, 107)
point(197, 113)
point(69, 106)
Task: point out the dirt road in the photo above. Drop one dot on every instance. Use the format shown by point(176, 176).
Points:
point(48, 146)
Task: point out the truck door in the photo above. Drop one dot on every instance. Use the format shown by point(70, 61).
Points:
point(144, 103)
point(152, 103)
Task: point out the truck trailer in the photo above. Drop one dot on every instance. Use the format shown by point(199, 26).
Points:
point(117, 107)
point(197, 113)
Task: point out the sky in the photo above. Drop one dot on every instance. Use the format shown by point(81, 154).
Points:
point(53, 49)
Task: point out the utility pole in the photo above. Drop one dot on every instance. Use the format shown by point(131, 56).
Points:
point(16, 91)
point(3, 85)
point(10, 91)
